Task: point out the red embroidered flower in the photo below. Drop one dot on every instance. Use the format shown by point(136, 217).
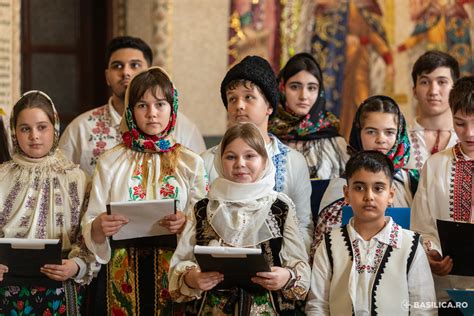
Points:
point(168, 189)
point(96, 152)
point(96, 130)
point(106, 130)
point(138, 190)
point(127, 139)
point(47, 313)
point(100, 144)
point(149, 144)
point(126, 288)
point(118, 312)
point(134, 133)
point(62, 309)
point(100, 124)
point(20, 305)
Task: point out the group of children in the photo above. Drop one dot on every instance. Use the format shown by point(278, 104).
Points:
point(251, 190)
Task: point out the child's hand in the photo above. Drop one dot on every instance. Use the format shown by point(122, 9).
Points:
point(175, 222)
point(3, 270)
point(107, 225)
point(204, 281)
point(274, 280)
point(439, 266)
point(60, 272)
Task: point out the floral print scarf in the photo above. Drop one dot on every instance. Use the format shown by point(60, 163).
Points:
point(135, 139)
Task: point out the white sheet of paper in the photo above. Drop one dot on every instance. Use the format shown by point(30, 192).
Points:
point(143, 218)
point(232, 252)
point(24, 243)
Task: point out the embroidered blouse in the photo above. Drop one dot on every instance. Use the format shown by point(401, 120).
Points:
point(445, 193)
point(418, 152)
point(126, 175)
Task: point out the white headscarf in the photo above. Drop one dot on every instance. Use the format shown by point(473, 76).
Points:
point(239, 212)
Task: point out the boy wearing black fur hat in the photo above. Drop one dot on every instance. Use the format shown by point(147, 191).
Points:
point(249, 92)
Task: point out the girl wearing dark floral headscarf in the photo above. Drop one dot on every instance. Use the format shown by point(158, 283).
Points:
point(42, 196)
point(378, 125)
point(148, 165)
point(302, 121)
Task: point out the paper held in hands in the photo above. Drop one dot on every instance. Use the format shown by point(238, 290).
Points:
point(25, 257)
point(237, 264)
point(144, 217)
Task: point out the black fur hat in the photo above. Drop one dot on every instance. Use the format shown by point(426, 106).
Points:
point(257, 70)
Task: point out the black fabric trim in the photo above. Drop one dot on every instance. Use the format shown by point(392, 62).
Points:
point(328, 241)
point(378, 276)
point(200, 212)
point(347, 240)
point(414, 246)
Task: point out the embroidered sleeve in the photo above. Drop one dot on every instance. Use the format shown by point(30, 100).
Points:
point(294, 257)
point(182, 262)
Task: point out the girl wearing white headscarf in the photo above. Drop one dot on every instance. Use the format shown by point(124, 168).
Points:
point(248, 214)
point(41, 196)
point(144, 167)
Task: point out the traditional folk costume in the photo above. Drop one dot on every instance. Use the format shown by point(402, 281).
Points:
point(313, 135)
point(353, 276)
point(405, 182)
point(136, 277)
point(419, 152)
point(244, 215)
point(445, 193)
point(43, 198)
point(95, 131)
point(291, 178)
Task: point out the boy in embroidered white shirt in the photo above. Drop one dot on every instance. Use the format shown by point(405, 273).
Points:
point(371, 265)
point(445, 191)
point(433, 75)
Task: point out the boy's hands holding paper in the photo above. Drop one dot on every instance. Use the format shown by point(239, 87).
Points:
point(274, 280)
point(3, 270)
point(439, 266)
point(61, 272)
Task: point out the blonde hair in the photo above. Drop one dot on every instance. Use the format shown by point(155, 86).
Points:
point(250, 134)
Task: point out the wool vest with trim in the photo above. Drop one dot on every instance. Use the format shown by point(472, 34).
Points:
point(389, 290)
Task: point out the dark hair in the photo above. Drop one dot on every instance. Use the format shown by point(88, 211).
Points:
point(129, 42)
point(250, 134)
point(379, 104)
point(150, 79)
point(4, 154)
point(461, 97)
point(31, 101)
point(372, 161)
point(431, 60)
point(300, 62)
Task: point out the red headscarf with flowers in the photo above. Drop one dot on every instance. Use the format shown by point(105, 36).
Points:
point(133, 137)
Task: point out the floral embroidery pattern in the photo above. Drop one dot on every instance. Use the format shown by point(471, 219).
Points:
point(75, 203)
point(169, 191)
point(135, 189)
point(8, 205)
point(416, 150)
point(329, 218)
point(379, 252)
point(43, 210)
point(15, 300)
point(102, 136)
point(280, 162)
